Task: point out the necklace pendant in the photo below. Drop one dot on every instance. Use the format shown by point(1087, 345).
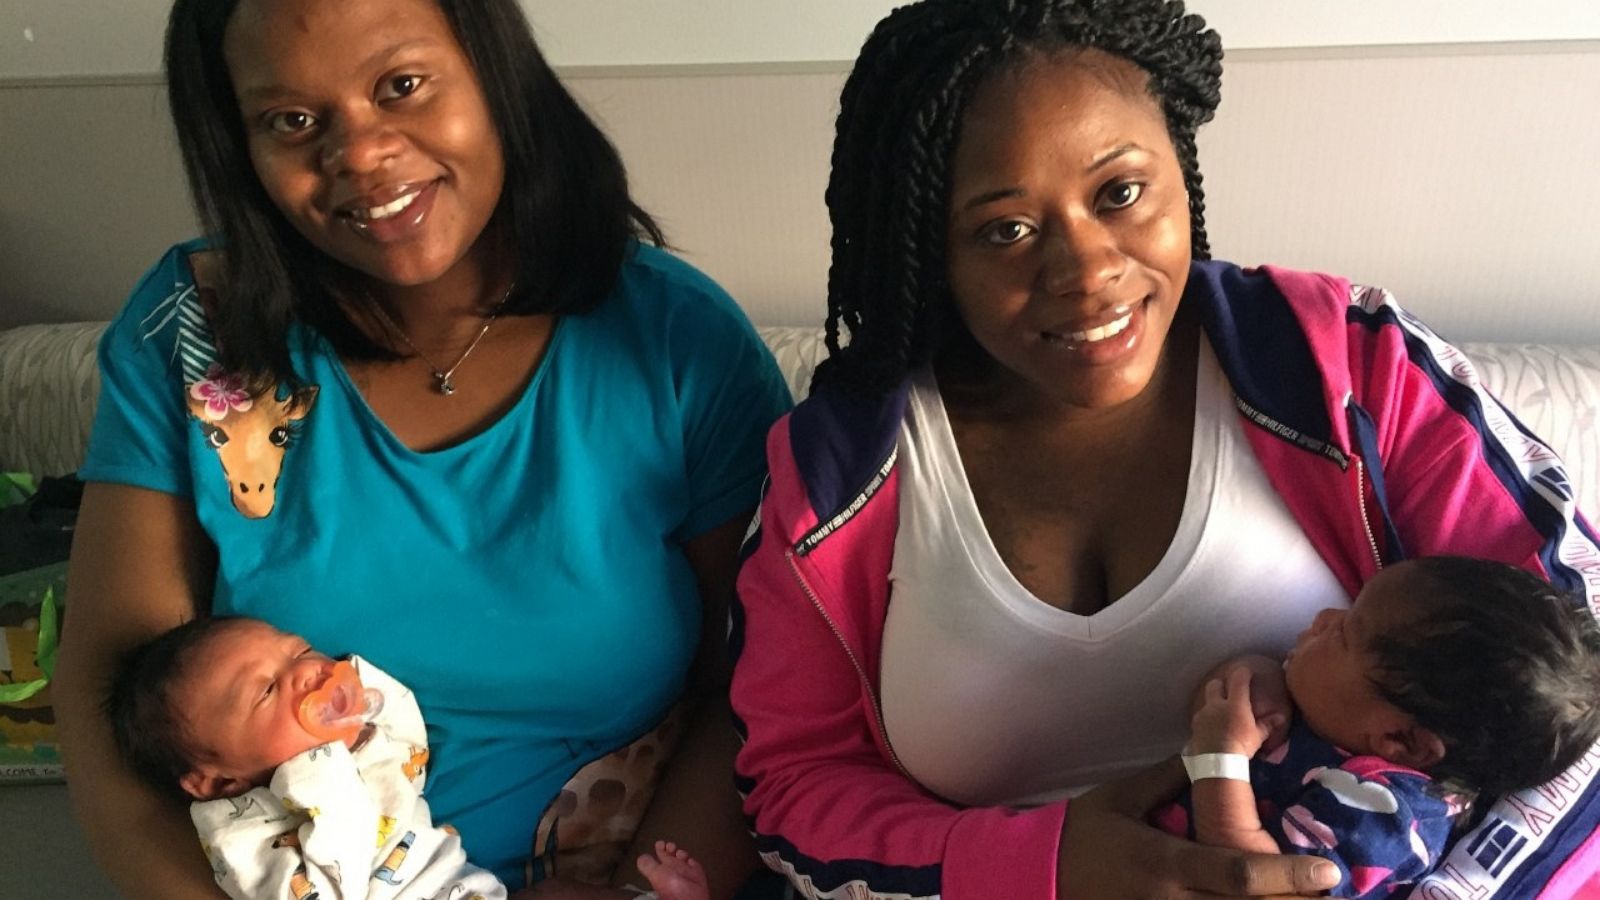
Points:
point(446, 386)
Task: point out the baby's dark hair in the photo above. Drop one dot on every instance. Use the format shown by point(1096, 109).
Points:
point(150, 735)
point(1504, 668)
point(899, 120)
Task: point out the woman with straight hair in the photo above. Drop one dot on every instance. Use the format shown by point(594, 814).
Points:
point(430, 391)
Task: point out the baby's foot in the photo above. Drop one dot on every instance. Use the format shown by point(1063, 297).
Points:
point(674, 874)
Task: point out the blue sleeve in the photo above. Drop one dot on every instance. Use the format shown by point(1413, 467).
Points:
point(139, 433)
point(730, 391)
point(1379, 832)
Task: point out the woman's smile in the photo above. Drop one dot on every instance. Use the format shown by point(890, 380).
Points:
point(399, 220)
point(1097, 333)
point(375, 206)
point(1109, 339)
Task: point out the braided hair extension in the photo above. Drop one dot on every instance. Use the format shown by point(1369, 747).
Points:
point(899, 119)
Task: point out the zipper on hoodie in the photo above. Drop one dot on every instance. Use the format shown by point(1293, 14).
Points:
point(1361, 504)
point(1361, 488)
point(861, 671)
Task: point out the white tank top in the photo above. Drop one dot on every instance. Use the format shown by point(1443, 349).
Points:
point(993, 697)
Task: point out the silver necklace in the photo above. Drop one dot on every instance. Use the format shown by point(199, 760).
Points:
point(442, 377)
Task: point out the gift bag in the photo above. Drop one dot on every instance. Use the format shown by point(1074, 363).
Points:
point(35, 535)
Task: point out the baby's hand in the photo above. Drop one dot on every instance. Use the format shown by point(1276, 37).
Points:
point(1269, 700)
point(674, 874)
point(1225, 722)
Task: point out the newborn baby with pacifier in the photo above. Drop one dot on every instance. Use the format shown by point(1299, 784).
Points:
point(307, 771)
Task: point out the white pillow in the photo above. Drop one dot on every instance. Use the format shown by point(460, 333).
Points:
point(1555, 391)
point(48, 387)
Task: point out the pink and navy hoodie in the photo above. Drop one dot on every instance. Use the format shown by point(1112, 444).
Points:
point(1381, 441)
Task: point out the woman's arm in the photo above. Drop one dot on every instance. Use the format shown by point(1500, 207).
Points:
point(696, 806)
point(139, 562)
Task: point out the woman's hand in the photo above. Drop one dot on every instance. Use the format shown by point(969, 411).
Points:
point(1108, 850)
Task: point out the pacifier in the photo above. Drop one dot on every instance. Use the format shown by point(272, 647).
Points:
point(337, 709)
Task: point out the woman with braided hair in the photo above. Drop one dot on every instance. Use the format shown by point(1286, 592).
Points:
point(1059, 464)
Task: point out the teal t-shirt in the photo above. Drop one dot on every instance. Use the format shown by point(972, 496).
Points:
point(527, 584)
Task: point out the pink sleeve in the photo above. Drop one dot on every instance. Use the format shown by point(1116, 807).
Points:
point(829, 808)
point(1466, 479)
point(1463, 477)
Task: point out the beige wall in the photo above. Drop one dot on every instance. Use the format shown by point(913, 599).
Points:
point(93, 191)
point(1464, 178)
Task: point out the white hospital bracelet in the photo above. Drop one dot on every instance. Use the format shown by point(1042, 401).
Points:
point(1232, 766)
